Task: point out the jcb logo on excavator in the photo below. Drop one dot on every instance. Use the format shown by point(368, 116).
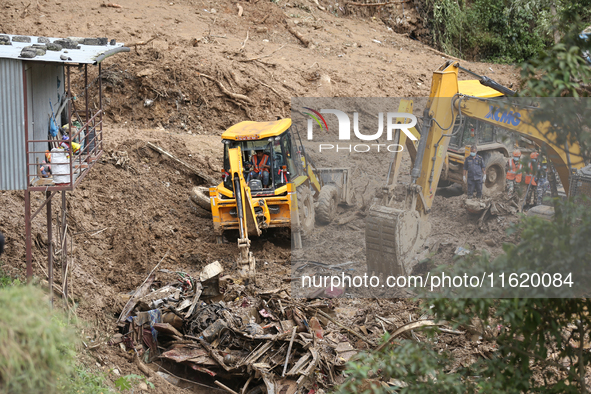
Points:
point(394, 121)
point(508, 117)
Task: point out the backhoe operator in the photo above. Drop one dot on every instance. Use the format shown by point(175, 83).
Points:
point(474, 172)
point(259, 168)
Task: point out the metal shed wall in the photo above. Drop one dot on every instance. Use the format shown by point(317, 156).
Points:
point(13, 161)
point(45, 83)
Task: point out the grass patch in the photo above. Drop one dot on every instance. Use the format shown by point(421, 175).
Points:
point(6, 280)
point(84, 381)
point(36, 344)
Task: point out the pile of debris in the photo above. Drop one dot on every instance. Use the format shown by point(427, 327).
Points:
point(207, 330)
point(500, 206)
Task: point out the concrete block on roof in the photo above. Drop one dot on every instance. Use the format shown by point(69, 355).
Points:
point(95, 41)
point(21, 39)
point(28, 53)
point(54, 47)
point(67, 43)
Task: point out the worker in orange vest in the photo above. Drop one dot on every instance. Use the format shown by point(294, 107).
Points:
point(530, 179)
point(45, 167)
point(260, 166)
point(514, 174)
point(543, 183)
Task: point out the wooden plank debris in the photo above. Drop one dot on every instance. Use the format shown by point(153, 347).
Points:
point(209, 180)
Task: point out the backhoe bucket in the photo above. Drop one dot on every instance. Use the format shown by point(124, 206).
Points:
point(246, 262)
point(391, 237)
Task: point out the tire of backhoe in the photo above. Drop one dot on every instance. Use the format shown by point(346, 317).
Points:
point(326, 208)
point(495, 161)
point(203, 213)
point(444, 183)
point(200, 196)
point(306, 205)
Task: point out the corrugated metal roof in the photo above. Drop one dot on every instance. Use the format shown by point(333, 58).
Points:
point(58, 50)
point(13, 162)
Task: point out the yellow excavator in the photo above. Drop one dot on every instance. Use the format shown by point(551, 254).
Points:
point(293, 193)
point(394, 234)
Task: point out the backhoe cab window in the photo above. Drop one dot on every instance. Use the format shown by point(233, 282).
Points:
point(486, 134)
point(248, 149)
point(277, 148)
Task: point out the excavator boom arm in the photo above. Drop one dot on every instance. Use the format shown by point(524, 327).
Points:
point(438, 121)
point(391, 234)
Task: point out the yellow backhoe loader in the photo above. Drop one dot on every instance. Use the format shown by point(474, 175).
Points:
point(250, 201)
point(393, 234)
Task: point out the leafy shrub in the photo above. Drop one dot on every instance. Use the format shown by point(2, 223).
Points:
point(36, 346)
point(494, 30)
point(84, 381)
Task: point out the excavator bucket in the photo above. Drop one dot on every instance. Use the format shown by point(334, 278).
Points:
point(391, 236)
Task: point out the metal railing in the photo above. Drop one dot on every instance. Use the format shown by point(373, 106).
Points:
point(90, 138)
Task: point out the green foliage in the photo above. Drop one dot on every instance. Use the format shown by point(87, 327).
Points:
point(447, 24)
point(35, 343)
point(6, 280)
point(127, 382)
point(84, 381)
point(504, 31)
point(558, 71)
point(410, 367)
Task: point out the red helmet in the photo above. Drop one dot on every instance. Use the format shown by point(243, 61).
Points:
point(534, 155)
point(48, 156)
point(516, 153)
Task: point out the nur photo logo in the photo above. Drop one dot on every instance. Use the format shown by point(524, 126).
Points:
point(393, 121)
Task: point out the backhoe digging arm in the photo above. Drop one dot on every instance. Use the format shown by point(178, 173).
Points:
point(244, 210)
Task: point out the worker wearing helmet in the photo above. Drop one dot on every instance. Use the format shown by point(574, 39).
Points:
point(260, 166)
point(543, 183)
point(530, 179)
point(514, 173)
point(474, 172)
